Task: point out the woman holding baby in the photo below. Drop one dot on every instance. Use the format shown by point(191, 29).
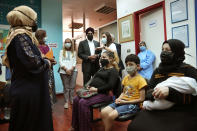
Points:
point(182, 114)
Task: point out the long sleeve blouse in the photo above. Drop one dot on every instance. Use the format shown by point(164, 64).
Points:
point(105, 80)
point(68, 61)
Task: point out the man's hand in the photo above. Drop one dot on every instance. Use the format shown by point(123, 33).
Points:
point(92, 57)
point(99, 48)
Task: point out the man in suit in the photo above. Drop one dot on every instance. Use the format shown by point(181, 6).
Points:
point(89, 55)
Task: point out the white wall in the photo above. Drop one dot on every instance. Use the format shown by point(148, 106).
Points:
point(52, 22)
point(111, 28)
point(125, 7)
point(192, 33)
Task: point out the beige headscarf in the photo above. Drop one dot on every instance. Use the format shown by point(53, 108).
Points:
point(21, 20)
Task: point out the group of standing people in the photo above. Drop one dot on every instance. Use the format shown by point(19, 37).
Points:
point(32, 80)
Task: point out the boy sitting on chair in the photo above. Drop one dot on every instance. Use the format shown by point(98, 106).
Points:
point(133, 94)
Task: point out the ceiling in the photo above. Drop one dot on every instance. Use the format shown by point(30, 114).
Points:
point(75, 9)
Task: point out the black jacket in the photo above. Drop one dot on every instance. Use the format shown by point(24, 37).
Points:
point(84, 52)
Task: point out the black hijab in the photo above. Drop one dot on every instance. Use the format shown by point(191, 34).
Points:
point(177, 47)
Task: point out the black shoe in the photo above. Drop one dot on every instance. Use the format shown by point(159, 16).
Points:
point(2, 121)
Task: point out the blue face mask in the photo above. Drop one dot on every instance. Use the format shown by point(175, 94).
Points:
point(104, 40)
point(142, 48)
point(67, 45)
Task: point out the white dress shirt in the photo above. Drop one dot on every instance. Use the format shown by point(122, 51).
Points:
point(69, 61)
point(92, 47)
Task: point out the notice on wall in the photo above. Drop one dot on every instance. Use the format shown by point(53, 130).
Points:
point(152, 23)
point(3, 35)
point(52, 45)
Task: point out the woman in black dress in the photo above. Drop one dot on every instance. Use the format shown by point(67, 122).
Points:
point(183, 115)
point(30, 102)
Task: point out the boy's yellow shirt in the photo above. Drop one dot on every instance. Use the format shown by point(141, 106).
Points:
point(132, 87)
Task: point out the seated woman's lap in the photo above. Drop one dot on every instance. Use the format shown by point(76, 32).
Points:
point(163, 121)
point(93, 100)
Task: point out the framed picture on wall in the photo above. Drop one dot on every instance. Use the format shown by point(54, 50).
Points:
point(181, 33)
point(3, 36)
point(179, 11)
point(126, 30)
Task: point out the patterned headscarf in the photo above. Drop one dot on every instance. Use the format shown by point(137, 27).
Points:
point(21, 20)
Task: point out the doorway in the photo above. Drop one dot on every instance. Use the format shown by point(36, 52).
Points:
point(152, 31)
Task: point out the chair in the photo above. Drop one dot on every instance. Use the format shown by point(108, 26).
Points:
point(116, 93)
point(125, 117)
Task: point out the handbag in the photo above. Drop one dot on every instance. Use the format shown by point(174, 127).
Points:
point(84, 92)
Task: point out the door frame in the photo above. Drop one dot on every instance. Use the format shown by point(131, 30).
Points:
point(137, 22)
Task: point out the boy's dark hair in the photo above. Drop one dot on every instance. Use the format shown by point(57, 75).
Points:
point(132, 58)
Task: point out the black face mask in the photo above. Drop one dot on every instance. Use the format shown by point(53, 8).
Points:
point(90, 37)
point(35, 27)
point(104, 62)
point(167, 57)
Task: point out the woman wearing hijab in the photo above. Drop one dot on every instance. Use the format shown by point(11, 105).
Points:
point(30, 102)
point(147, 59)
point(183, 115)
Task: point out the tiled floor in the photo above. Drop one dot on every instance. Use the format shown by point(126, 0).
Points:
point(62, 119)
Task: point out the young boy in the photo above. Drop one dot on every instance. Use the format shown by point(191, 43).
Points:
point(132, 96)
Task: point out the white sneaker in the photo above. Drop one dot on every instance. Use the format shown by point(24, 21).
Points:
point(66, 105)
point(7, 113)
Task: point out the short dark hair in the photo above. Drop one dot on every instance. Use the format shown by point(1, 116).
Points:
point(132, 58)
point(89, 29)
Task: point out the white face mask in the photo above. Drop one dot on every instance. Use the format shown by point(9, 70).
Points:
point(67, 45)
point(131, 69)
point(104, 40)
point(45, 39)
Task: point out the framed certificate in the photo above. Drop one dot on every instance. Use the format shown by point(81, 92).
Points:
point(181, 33)
point(179, 11)
point(126, 30)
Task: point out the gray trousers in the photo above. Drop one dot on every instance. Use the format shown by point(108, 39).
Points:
point(69, 83)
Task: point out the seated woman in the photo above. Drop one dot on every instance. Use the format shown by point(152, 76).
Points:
point(103, 81)
point(182, 116)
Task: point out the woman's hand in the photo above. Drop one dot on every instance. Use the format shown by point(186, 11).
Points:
point(161, 92)
point(68, 72)
point(93, 89)
point(53, 61)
